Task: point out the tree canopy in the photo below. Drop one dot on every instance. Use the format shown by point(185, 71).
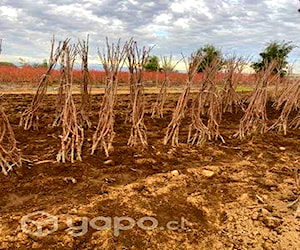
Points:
point(7, 64)
point(210, 55)
point(44, 64)
point(152, 64)
point(25, 63)
point(278, 51)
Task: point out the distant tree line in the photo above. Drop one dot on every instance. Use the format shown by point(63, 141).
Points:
point(275, 50)
point(24, 63)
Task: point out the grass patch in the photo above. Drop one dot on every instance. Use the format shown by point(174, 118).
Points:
point(241, 88)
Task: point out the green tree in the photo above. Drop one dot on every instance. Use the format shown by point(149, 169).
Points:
point(278, 51)
point(210, 55)
point(44, 64)
point(23, 62)
point(7, 64)
point(152, 64)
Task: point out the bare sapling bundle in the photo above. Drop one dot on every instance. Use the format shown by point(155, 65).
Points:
point(9, 153)
point(255, 118)
point(289, 101)
point(233, 71)
point(136, 59)
point(10, 156)
point(85, 84)
point(62, 89)
point(167, 67)
point(207, 103)
point(72, 134)
point(112, 60)
point(279, 83)
point(172, 133)
point(30, 116)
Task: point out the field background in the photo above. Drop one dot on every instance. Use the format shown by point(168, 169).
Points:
point(232, 196)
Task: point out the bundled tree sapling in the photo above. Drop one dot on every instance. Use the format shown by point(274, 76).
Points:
point(172, 132)
point(167, 67)
point(30, 116)
point(136, 59)
point(112, 60)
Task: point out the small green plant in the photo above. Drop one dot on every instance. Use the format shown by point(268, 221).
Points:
point(152, 64)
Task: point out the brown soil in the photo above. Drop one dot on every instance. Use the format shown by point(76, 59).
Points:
point(241, 202)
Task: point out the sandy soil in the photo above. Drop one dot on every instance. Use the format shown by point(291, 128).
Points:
point(224, 196)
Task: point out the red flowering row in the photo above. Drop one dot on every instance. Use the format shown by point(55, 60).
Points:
point(30, 76)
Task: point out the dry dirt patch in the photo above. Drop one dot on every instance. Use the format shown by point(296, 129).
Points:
point(231, 196)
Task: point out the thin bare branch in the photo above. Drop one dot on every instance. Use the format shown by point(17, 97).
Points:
point(167, 67)
point(30, 116)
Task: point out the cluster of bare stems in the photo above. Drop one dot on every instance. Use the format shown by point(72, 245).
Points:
point(172, 132)
point(167, 67)
point(63, 80)
point(9, 153)
point(66, 113)
point(30, 116)
point(72, 133)
point(206, 104)
point(112, 60)
point(255, 118)
point(233, 72)
point(279, 85)
point(288, 101)
point(136, 59)
point(82, 49)
point(85, 107)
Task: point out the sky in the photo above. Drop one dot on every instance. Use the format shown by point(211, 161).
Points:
point(175, 27)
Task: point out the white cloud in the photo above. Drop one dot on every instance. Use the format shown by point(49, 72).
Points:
point(9, 12)
point(163, 19)
point(182, 23)
point(175, 26)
